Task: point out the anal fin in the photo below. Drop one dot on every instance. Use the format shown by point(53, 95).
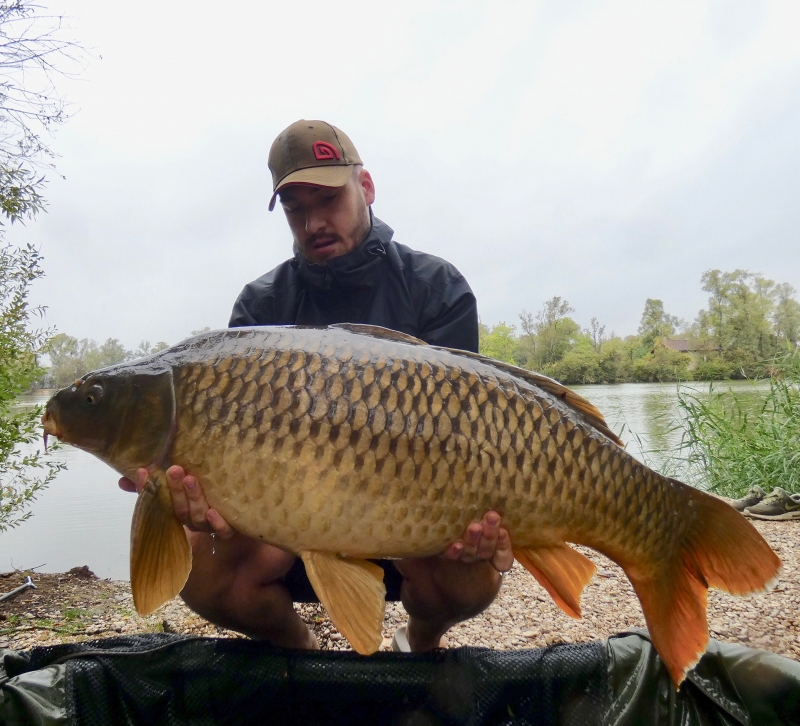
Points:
point(161, 556)
point(354, 595)
point(560, 570)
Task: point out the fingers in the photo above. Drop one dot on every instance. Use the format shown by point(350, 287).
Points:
point(503, 557)
point(127, 485)
point(180, 500)
point(488, 540)
point(471, 540)
point(484, 541)
point(188, 500)
point(191, 507)
point(221, 528)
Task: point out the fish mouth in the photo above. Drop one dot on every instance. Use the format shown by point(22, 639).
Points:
point(50, 426)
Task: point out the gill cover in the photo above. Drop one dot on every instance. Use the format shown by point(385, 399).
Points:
point(147, 420)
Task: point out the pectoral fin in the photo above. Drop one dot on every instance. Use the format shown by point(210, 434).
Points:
point(353, 593)
point(161, 556)
point(560, 570)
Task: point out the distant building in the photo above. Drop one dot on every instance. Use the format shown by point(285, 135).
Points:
point(688, 345)
point(695, 350)
point(682, 345)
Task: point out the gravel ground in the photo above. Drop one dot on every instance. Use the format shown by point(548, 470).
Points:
point(76, 606)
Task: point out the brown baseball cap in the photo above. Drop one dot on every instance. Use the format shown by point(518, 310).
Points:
point(311, 152)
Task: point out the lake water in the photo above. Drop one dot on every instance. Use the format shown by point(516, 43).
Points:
point(83, 518)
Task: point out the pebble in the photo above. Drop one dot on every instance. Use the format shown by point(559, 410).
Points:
point(523, 616)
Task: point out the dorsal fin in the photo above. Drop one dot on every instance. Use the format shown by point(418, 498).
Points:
point(376, 331)
point(587, 411)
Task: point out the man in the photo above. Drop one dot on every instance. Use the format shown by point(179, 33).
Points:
point(346, 268)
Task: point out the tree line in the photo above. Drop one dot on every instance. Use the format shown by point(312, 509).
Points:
point(71, 358)
point(749, 320)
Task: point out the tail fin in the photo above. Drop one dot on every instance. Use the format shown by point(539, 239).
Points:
point(722, 550)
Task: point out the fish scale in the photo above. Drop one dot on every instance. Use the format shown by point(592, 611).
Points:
point(352, 442)
point(301, 386)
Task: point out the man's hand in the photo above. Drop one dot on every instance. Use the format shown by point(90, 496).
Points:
point(188, 502)
point(484, 541)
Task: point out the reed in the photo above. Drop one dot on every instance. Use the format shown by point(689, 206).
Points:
point(729, 444)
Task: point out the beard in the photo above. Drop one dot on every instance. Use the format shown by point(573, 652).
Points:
point(353, 239)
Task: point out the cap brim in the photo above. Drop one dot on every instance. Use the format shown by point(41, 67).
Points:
point(318, 176)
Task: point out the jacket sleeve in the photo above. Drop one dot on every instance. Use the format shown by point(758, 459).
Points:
point(242, 315)
point(454, 321)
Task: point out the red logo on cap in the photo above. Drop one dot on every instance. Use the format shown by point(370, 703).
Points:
point(324, 151)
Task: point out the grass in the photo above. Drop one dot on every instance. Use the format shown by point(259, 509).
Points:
point(732, 444)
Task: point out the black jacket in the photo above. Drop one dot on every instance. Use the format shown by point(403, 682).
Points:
point(379, 283)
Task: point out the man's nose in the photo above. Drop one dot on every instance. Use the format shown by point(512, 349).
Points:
point(315, 221)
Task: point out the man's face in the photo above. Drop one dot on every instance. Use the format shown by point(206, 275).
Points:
point(329, 221)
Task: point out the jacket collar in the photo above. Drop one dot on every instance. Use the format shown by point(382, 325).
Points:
point(358, 268)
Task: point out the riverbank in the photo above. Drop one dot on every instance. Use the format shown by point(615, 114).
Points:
point(76, 606)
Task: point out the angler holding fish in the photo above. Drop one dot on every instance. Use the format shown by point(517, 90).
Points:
point(346, 269)
point(353, 442)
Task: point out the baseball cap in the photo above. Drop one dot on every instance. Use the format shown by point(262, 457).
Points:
point(311, 152)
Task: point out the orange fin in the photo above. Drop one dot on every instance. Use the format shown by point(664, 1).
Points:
point(721, 549)
point(161, 556)
point(560, 570)
point(354, 595)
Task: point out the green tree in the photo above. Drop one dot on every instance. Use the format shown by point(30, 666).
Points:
point(23, 471)
point(662, 364)
point(32, 52)
point(106, 354)
point(786, 316)
point(616, 360)
point(597, 333)
point(579, 365)
point(548, 335)
point(749, 319)
point(656, 323)
point(71, 358)
point(146, 349)
point(498, 342)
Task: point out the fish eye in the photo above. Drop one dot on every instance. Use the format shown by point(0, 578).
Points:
point(94, 394)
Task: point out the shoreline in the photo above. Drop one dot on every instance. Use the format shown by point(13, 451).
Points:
point(76, 606)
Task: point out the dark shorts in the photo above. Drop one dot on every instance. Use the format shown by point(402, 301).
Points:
point(300, 588)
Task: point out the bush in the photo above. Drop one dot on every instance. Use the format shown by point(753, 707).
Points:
point(713, 369)
point(735, 446)
point(580, 365)
point(22, 475)
point(662, 364)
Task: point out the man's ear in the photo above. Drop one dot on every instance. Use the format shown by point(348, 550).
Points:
point(367, 186)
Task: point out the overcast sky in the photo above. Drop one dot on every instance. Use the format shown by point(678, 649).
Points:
point(605, 152)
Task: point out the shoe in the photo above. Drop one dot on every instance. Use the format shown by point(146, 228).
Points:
point(754, 495)
point(778, 504)
point(400, 640)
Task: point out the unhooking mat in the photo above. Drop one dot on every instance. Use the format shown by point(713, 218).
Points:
point(168, 679)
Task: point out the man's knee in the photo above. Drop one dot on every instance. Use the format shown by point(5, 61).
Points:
point(240, 587)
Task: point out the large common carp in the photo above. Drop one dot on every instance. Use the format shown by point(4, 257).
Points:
point(347, 443)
